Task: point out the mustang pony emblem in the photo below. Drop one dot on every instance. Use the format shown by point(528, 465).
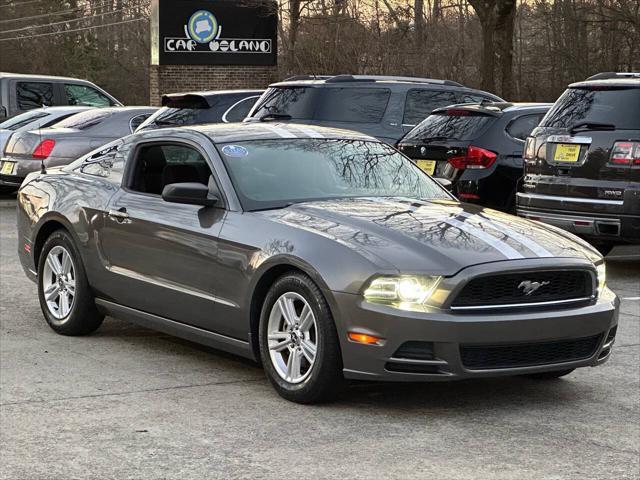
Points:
point(528, 287)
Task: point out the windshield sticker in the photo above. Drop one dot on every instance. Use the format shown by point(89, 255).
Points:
point(235, 151)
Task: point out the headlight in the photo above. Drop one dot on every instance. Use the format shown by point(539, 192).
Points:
point(601, 271)
point(406, 292)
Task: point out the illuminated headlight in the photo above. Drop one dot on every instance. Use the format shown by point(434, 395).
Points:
point(406, 292)
point(601, 271)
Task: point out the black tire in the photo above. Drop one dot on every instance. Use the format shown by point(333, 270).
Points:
point(549, 375)
point(325, 379)
point(604, 248)
point(83, 317)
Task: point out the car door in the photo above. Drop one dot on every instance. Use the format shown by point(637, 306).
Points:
point(163, 256)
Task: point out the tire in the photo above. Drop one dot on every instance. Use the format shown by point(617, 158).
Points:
point(549, 375)
point(64, 278)
point(311, 378)
point(604, 248)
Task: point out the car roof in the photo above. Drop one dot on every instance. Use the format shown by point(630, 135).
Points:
point(311, 80)
point(609, 82)
point(497, 108)
point(238, 132)
point(40, 77)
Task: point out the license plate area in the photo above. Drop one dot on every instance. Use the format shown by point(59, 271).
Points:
point(567, 153)
point(427, 165)
point(7, 168)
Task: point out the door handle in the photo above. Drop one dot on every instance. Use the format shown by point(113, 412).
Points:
point(120, 215)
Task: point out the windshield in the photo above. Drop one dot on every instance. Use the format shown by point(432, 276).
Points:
point(23, 119)
point(81, 121)
point(276, 173)
point(166, 117)
point(607, 105)
point(447, 126)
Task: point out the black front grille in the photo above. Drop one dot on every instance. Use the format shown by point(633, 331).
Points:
point(480, 357)
point(512, 288)
point(415, 351)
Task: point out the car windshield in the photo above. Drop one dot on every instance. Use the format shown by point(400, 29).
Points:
point(461, 125)
point(166, 117)
point(84, 120)
point(271, 174)
point(23, 119)
point(606, 105)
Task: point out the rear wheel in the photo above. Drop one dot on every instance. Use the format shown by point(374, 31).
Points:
point(298, 341)
point(65, 296)
point(549, 375)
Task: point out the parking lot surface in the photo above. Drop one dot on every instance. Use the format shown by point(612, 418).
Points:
point(131, 403)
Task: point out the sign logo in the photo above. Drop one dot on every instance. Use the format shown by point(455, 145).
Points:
point(203, 27)
point(528, 287)
point(202, 35)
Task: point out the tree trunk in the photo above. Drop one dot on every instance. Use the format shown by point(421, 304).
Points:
point(505, 25)
point(419, 21)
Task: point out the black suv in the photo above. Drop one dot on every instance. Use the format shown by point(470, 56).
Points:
point(477, 147)
point(383, 107)
point(582, 164)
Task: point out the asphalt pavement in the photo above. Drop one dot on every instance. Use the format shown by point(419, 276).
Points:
point(131, 403)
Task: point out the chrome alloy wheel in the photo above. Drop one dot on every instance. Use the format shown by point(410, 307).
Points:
point(292, 337)
point(59, 283)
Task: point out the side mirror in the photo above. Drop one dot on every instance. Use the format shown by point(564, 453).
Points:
point(444, 183)
point(189, 193)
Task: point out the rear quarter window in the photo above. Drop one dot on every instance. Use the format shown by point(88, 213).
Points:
point(617, 106)
point(421, 102)
point(521, 127)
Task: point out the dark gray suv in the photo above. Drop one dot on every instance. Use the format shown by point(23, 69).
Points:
point(383, 107)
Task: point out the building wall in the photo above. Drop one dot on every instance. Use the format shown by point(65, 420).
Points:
point(186, 78)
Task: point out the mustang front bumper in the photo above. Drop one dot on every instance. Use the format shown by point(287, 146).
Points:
point(449, 346)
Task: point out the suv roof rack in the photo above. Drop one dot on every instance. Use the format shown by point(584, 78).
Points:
point(610, 75)
point(372, 78)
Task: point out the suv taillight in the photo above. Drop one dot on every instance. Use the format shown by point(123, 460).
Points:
point(530, 149)
point(43, 150)
point(475, 157)
point(625, 153)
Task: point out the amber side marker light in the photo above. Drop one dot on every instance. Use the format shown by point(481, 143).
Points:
point(364, 338)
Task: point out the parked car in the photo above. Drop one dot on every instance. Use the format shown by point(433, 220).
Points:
point(477, 147)
point(582, 164)
point(383, 107)
point(197, 108)
point(22, 92)
point(67, 140)
point(325, 253)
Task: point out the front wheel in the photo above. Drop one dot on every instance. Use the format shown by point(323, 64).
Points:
point(298, 341)
point(65, 296)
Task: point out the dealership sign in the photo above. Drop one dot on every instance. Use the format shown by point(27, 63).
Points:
point(216, 32)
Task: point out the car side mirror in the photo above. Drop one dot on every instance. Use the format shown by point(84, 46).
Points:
point(444, 183)
point(189, 193)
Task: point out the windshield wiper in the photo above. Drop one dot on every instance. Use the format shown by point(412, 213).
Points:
point(586, 126)
point(274, 207)
point(275, 116)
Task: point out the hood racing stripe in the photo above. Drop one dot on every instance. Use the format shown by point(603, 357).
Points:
point(539, 250)
point(310, 132)
point(282, 132)
point(499, 245)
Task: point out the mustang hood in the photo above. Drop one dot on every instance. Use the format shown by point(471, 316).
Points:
point(440, 237)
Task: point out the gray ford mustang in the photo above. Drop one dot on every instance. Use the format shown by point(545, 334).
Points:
point(324, 254)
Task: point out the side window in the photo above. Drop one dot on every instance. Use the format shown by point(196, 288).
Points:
point(362, 105)
point(420, 103)
point(85, 96)
point(472, 98)
point(521, 127)
point(136, 121)
point(34, 94)
point(239, 111)
point(158, 165)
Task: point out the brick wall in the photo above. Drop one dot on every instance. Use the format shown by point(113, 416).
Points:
point(184, 78)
